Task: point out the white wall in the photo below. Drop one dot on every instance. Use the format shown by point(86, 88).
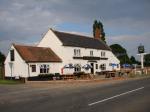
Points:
point(69, 54)
point(50, 40)
point(113, 59)
point(66, 53)
point(23, 69)
point(19, 68)
point(53, 68)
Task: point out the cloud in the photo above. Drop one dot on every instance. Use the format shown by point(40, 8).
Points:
point(25, 20)
point(131, 37)
point(131, 42)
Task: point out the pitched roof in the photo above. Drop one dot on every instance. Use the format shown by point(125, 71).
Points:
point(36, 54)
point(80, 41)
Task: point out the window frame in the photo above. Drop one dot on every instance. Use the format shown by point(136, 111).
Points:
point(77, 52)
point(96, 66)
point(12, 55)
point(44, 68)
point(103, 54)
point(33, 68)
point(91, 53)
point(103, 66)
point(77, 68)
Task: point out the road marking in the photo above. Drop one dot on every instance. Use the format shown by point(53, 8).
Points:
point(115, 96)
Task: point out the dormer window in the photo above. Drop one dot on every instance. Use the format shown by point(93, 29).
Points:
point(77, 52)
point(12, 57)
point(91, 53)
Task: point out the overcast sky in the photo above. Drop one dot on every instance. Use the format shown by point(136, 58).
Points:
point(126, 22)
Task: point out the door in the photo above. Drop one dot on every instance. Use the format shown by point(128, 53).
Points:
point(92, 69)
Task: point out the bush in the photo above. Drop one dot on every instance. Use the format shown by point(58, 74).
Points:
point(46, 76)
point(57, 76)
point(41, 77)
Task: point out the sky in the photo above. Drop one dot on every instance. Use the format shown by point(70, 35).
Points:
point(126, 22)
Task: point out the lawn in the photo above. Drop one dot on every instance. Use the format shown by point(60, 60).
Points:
point(9, 82)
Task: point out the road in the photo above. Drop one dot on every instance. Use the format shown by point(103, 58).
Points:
point(126, 96)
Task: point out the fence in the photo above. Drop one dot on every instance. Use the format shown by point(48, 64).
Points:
point(146, 70)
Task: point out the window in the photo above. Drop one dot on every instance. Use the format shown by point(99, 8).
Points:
point(91, 53)
point(103, 66)
point(33, 68)
point(102, 54)
point(96, 66)
point(77, 68)
point(12, 57)
point(117, 65)
point(44, 68)
point(77, 52)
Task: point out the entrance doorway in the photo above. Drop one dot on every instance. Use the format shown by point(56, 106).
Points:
point(92, 69)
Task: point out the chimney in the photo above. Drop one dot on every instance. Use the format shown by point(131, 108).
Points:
point(97, 34)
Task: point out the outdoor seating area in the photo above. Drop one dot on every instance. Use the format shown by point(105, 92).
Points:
point(57, 76)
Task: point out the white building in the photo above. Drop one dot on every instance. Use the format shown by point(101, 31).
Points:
point(56, 51)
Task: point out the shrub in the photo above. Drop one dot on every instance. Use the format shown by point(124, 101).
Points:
point(57, 76)
point(46, 75)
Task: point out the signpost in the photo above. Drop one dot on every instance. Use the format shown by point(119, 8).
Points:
point(141, 52)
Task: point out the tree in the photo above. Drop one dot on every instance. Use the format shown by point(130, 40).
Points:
point(147, 60)
point(99, 26)
point(133, 60)
point(121, 53)
point(2, 58)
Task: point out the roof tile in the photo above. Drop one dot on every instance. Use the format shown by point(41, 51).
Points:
point(36, 54)
point(75, 40)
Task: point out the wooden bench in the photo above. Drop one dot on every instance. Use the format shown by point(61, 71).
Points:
point(110, 74)
point(67, 76)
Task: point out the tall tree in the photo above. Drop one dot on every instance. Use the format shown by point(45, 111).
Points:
point(133, 60)
point(121, 53)
point(97, 25)
point(2, 58)
point(147, 60)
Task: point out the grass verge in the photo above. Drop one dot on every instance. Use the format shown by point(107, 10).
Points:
point(138, 75)
point(9, 82)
